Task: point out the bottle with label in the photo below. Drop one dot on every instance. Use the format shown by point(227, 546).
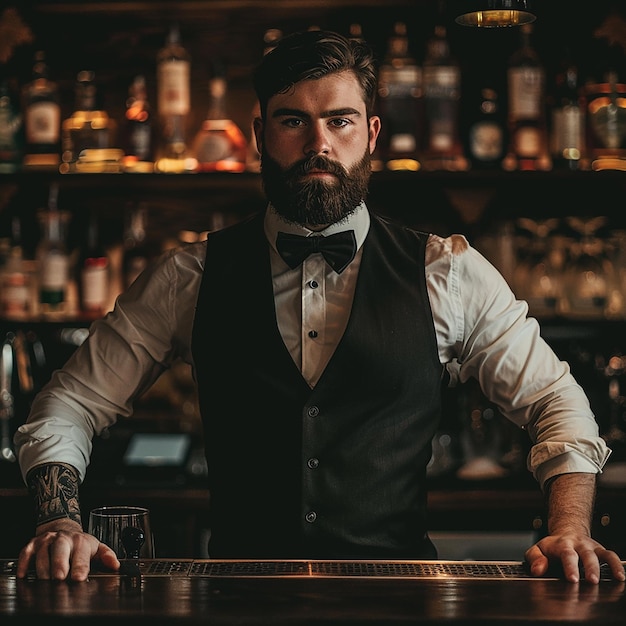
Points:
point(485, 133)
point(567, 133)
point(219, 144)
point(443, 148)
point(42, 117)
point(52, 257)
point(400, 106)
point(136, 254)
point(173, 103)
point(271, 37)
point(15, 282)
point(93, 276)
point(88, 135)
point(138, 129)
point(11, 130)
point(526, 85)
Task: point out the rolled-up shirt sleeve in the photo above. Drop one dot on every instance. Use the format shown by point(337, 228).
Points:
point(124, 354)
point(485, 333)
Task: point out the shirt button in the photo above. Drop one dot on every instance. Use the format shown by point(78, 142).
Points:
point(313, 284)
point(313, 463)
point(312, 334)
point(310, 517)
point(313, 411)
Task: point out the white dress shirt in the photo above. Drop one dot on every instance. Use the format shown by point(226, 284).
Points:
point(483, 332)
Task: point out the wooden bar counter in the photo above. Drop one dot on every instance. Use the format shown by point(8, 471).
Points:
point(274, 593)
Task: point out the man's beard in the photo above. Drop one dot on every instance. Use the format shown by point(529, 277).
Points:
point(315, 202)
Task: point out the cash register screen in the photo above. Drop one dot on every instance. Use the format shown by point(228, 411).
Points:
point(157, 450)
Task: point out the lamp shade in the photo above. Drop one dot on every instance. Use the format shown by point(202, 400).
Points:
point(493, 13)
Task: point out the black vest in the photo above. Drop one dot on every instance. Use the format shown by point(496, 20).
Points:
point(333, 472)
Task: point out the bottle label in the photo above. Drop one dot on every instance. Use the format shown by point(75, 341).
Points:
point(54, 272)
point(95, 286)
point(43, 123)
point(525, 90)
point(486, 141)
point(528, 142)
point(173, 81)
point(567, 131)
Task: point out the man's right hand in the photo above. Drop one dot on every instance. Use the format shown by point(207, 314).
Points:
point(62, 550)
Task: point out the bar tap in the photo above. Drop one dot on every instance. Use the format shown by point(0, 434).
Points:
point(6, 398)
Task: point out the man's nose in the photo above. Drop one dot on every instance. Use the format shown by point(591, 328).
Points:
point(318, 141)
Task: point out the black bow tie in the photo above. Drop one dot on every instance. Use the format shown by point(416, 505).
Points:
point(338, 249)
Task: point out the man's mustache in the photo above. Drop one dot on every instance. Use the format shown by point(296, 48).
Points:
point(317, 163)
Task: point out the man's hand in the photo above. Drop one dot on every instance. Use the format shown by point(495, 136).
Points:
point(569, 543)
point(61, 550)
point(571, 551)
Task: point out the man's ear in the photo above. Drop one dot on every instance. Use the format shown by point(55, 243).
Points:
point(374, 130)
point(257, 124)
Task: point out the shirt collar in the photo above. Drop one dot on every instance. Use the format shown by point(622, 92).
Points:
point(359, 222)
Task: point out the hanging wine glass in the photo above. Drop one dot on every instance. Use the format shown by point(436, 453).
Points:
point(591, 273)
point(539, 276)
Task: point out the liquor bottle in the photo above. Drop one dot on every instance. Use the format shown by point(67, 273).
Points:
point(526, 85)
point(173, 103)
point(442, 145)
point(253, 159)
point(52, 257)
point(15, 283)
point(42, 117)
point(485, 134)
point(136, 253)
point(93, 275)
point(138, 129)
point(605, 98)
point(567, 133)
point(400, 106)
point(88, 135)
point(11, 130)
point(219, 145)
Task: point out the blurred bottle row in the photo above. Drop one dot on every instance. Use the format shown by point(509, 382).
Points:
point(78, 277)
point(531, 120)
point(33, 135)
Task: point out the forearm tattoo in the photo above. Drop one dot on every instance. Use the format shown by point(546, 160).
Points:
point(54, 488)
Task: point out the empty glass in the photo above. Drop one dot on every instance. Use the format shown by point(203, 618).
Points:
point(125, 529)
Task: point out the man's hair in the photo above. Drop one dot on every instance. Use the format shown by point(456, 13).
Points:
point(310, 55)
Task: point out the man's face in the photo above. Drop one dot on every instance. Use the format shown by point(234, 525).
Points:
point(315, 149)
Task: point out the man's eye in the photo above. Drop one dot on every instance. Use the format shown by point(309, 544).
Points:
point(292, 122)
point(339, 122)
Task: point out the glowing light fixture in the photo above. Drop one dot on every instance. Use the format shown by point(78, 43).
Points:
point(493, 13)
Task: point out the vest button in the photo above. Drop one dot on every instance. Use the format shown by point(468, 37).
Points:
point(313, 463)
point(313, 284)
point(310, 517)
point(313, 411)
point(312, 334)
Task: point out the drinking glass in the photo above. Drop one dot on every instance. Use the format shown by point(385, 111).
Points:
point(125, 529)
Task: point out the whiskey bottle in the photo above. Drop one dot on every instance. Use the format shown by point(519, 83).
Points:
point(138, 129)
point(485, 132)
point(52, 257)
point(443, 148)
point(93, 273)
point(271, 37)
point(567, 133)
point(88, 135)
point(400, 106)
point(219, 145)
point(173, 103)
point(11, 130)
point(42, 117)
point(526, 85)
